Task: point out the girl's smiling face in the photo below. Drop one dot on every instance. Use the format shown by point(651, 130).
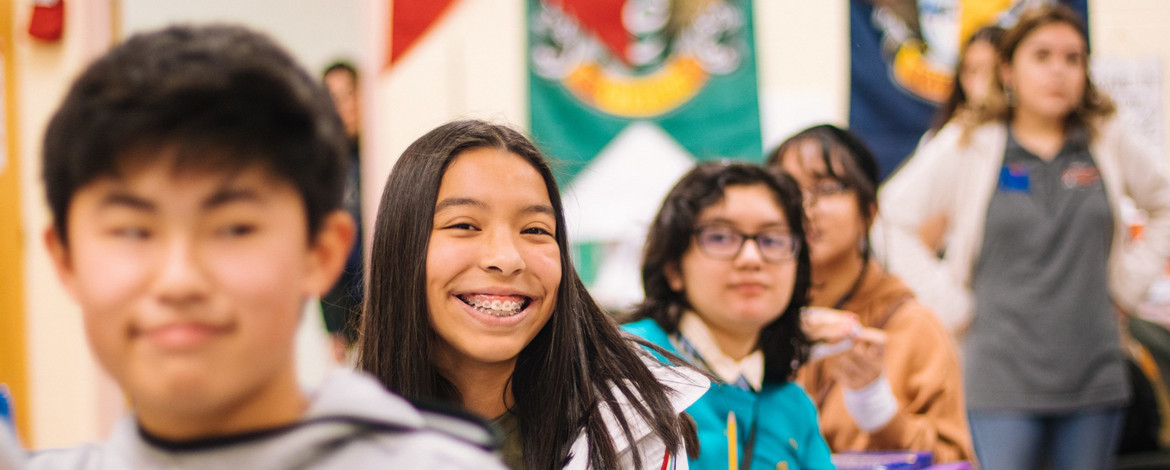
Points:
point(493, 264)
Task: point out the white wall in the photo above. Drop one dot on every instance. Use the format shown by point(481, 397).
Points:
point(1134, 29)
point(803, 65)
point(470, 65)
point(316, 31)
point(70, 399)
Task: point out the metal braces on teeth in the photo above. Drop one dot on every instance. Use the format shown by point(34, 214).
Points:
point(496, 308)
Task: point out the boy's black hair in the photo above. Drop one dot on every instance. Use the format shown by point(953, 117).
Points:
point(219, 97)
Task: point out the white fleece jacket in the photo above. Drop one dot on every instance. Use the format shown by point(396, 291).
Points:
point(956, 180)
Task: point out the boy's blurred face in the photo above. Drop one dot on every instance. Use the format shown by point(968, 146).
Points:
point(191, 285)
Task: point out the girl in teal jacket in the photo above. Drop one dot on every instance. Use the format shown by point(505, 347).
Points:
point(733, 308)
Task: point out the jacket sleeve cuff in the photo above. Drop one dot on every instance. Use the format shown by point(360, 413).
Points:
point(871, 406)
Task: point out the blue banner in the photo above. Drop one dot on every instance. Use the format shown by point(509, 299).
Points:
point(902, 63)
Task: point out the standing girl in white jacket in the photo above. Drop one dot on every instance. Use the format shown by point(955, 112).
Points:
point(1039, 260)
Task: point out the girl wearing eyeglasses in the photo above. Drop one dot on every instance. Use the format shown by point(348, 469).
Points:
point(885, 373)
point(725, 277)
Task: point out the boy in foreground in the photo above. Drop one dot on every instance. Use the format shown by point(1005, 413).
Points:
point(195, 179)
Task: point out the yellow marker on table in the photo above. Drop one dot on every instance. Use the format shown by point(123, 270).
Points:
point(732, 455)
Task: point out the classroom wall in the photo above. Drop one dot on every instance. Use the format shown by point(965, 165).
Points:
point(1135, 30)
point(68, 397)
point(317, 32)
point(791, 34)
point(13, 367)
point(448, 75)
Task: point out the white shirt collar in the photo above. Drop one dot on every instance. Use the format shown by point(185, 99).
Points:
point(727, 369)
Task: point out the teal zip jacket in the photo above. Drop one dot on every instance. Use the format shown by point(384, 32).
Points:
point(786, 434)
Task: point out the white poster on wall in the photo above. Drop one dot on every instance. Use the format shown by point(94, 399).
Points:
point(1135, 84)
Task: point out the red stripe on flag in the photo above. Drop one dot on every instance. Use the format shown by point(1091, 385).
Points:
point(409, 21)
point(603, 18)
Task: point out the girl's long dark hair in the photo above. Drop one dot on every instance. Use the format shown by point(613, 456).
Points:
point(783, 343)
point(577, 362)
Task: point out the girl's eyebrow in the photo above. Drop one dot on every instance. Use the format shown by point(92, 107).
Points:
point(539, 209)
point(459, 201)
point(476, 203)
point(725, 221)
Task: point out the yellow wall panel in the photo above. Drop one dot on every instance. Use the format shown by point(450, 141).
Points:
point(12, 329)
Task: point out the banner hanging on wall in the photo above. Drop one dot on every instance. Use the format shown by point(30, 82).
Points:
point(688, 67)
point(903, 59)
point(409, 21)
point(625, 95)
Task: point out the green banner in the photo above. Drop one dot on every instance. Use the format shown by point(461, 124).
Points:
point(625, 96)
point(689, 67)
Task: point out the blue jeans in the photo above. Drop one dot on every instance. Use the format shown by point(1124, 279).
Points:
point(1011, 440)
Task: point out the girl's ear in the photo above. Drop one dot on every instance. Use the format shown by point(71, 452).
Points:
point(674, 277)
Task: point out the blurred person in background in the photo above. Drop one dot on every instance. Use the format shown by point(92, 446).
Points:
point(894, 382)
point(1039, 261)
point(974, 76)
point(342, 305)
